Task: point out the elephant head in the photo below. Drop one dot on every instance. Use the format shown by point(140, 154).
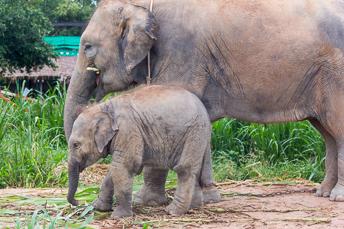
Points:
point(88, 143)
point(113, 48)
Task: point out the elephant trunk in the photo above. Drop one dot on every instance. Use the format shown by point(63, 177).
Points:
point(80, 90)
point(73, 176)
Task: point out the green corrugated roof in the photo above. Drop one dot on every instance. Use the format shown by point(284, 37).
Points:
point(64, 45)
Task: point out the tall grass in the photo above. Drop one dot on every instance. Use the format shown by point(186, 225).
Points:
point(32, 145)
point(243, 149)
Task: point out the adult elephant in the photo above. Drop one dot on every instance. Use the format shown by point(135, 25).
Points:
point(255, 60)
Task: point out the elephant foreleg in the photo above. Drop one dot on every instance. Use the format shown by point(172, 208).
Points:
point(123, 181)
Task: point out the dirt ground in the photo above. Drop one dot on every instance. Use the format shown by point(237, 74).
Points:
point(245, 204)
point(249, 205)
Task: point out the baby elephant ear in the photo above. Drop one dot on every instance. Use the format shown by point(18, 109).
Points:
point(104, 133)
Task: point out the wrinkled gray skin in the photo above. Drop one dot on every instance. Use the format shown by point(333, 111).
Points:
point(158, 126)
point(262, 61)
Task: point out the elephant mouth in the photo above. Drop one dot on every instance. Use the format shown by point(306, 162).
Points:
point(93, 68)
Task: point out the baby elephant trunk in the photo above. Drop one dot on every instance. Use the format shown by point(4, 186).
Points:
point(73, 176)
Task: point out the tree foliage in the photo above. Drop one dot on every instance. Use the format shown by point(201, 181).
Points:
point(23, 23)
point(66, 11)
point(22, 27)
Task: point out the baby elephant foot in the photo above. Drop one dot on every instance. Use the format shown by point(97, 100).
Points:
point(211, 194)
point(102, 206)
point(148, 197)
point(120, 212)
point(337, 194)
point(325, 188)
point(173, 209)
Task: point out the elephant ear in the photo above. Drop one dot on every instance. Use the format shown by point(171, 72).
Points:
point(139, 35)
point(105, 130)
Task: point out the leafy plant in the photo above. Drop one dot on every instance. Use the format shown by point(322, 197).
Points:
point(22, 28)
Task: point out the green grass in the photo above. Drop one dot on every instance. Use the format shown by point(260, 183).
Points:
point(32, 143)
point(276, 151)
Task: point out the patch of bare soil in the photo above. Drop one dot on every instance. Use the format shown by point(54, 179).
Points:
point(94, 174)
point(247, 205)
point(39, 192)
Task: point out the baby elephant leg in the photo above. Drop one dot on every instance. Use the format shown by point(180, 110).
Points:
point(183, 195)
point(152, 192)
point(123, 183)
point(105, 198)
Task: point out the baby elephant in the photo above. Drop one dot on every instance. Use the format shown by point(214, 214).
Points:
point(157, 126)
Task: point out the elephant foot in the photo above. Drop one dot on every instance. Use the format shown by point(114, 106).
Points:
point(149, 197)
point(120, 212)
point(197, 198)
point(174, 210)
point(337, 194)
point(325, 188)
point(102, 206)
point(211, 194)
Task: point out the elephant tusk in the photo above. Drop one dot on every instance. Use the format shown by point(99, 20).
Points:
point(93, 69)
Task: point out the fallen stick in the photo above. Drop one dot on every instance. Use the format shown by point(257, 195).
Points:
point(268, 194)
point(182, 220)
point(312, 220)
point(222, 210)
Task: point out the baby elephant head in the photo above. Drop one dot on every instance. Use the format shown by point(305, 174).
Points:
point(92, 132)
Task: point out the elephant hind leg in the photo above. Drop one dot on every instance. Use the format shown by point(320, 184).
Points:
point(337, 193)
point(331, 162)
point(332, 120)
point(152, 193)
point(207, 183)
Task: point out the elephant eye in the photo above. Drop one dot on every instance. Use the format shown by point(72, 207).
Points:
point(88, 46)
point(76, 145)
